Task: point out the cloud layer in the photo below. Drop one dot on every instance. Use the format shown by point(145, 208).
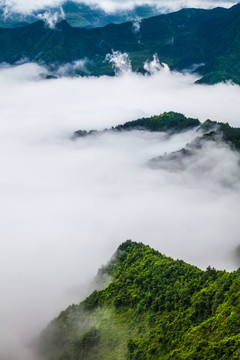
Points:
point(27, 6)
point(66, 205)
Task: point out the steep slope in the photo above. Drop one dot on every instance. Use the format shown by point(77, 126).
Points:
point(188, 37)
point(154, 308)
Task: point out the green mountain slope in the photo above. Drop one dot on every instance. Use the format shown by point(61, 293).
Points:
point(154, 308)
point(190, 36)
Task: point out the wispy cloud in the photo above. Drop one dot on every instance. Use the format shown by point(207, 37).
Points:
point(120, 62)
point(51, 18)
point(73, 68)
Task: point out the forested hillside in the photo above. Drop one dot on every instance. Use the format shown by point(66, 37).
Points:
point(206, 40)
point(154, 308)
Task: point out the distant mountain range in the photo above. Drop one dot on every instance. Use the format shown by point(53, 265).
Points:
point(207, 41)
point(78, 15)
point(154, 308)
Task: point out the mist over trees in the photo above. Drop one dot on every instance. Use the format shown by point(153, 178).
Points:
point(155, 307)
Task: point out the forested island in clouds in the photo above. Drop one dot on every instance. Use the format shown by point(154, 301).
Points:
point(173, 123)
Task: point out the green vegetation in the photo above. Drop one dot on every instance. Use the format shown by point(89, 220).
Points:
point(173, 123)
point(154, 308)
point(188, 37)
point(168, 121)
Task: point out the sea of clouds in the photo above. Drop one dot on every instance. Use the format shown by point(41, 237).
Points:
point(66, 204)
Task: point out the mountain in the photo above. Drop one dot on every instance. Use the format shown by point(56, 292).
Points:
point(209, 132)
point(206, 40)
point(170, 122)
point(173, 123)
point(154, 308)
point(79, 15)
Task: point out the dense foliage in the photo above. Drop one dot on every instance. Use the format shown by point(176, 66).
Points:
point(209, 131)
point(168, 121)
point(229, 134)
point(154, 308)
point(190, 36)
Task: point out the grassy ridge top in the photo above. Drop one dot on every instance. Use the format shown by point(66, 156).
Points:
point(154, 308)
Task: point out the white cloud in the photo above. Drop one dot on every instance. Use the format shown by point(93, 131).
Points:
point(136, 25)
point(51, 18)
point(154, 66)
point(120, 62)
point(70, 69)
point(66, 205)
point(26, 6)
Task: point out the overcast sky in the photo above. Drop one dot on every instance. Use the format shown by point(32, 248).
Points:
point(112, 5)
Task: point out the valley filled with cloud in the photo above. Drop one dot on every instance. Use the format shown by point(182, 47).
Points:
point(66, 204)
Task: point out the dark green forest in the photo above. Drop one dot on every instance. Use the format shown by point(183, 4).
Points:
point(209, 38)
point(172, 123)
point(154, 308)
point(168, 121)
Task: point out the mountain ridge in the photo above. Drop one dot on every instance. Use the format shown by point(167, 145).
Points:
point(155, 307)
point(210, 38)
point(172, 123)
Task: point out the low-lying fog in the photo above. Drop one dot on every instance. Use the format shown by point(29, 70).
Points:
point(66, 205)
